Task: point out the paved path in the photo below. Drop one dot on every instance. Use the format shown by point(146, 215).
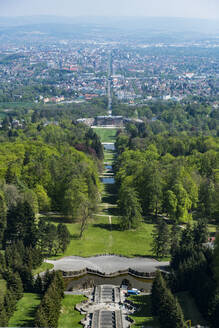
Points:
point(107, 264)
point(110, 220)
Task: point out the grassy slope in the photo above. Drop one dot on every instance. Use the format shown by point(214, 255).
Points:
point(25, 313)
point(98, 238)
point(101, 238)
point(190, 309)
point(44, 266)
point(106, 135)
point(70, 317)
point(143, 316)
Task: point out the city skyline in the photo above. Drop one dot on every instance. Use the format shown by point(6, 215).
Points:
point(143, 8)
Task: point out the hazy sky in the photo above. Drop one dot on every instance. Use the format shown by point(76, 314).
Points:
point(177, 8)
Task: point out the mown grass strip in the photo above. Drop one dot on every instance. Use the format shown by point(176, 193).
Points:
point(106, 135)
point(70, 317)
point(143, 316)
point(102, 238)
point(25, 311)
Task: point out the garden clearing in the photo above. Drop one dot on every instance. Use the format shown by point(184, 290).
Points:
point(106, 134)
point(25, 311)
point(101, 237)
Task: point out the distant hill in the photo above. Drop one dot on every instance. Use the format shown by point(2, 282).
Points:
point(158, 27)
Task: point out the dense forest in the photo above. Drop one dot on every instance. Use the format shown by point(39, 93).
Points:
point(44, 168)
point(166, 173)
point(172, 180)
point(194, 116)
point(39, 112)
point(193, 268)
point(177, 176)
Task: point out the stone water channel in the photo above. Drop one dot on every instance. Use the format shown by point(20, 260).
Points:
point(82, 273)
point(89, 279)
point(108, 175)
point(106, 307)
point(102, 278)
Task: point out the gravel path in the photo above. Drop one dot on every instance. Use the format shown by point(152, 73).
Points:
point(107, 264)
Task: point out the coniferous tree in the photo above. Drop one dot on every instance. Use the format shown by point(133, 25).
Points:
point(9, 302)
point(164, 305)
point(213, 311)
point(21, 224)
point(3, 316)
point(27, 278)
point(175, 237)
point(49, 309)
point(47, 279)
point(216, 259)
point(13, 256)
point(170, 313)
point(2, 263)
point(63, 236)
point(161, 239)
point(200, 232)
point(41, 319)
point(38, 285)
point(187, 238)
point(41, 234)
point(59, 283)
point(14, 282)
point(156, 292)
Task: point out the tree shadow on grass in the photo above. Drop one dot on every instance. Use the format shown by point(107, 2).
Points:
point(148, 219)
point(109, 199)
point(145, 256)
point(143, 310)
point(59, 219)
point(107, 226)
point(75, 236)
point(110, 211)
point(31, 313)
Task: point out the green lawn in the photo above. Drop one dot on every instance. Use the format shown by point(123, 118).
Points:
point(190, 309)
point(106, 135)
point(25, 312)
point(143, 316)
point(98, 238)
point(44, 266)
point(70, 317)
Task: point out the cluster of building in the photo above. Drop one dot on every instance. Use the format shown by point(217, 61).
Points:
point(78, 70)
point(138, 76)
point(74, 71)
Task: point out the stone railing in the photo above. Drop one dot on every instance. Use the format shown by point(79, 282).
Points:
point(74, 274)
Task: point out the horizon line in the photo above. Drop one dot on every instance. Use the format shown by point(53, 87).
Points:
point(105, 16)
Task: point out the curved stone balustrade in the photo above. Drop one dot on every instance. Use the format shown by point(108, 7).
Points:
point(108, 266)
